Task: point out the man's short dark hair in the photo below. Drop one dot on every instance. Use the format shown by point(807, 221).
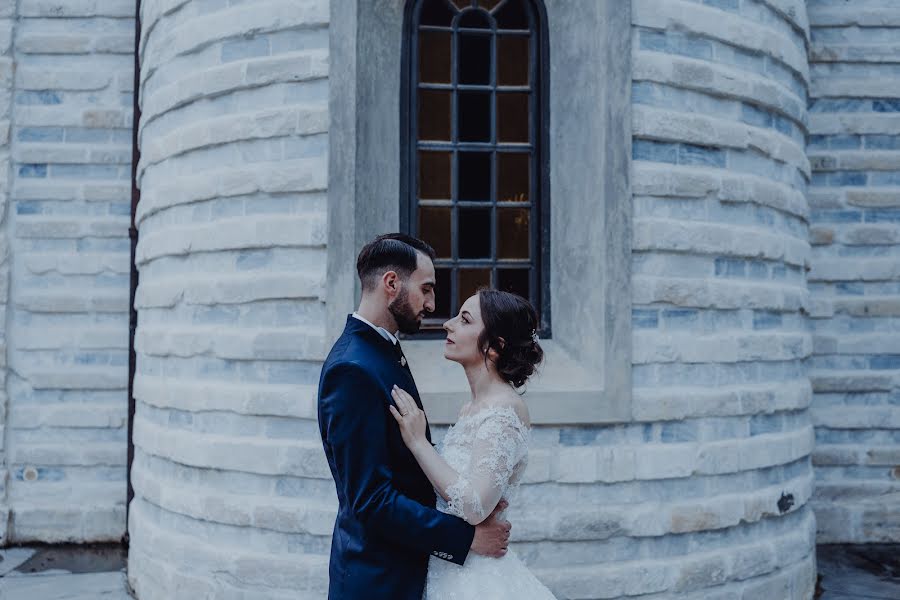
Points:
point(390, 252)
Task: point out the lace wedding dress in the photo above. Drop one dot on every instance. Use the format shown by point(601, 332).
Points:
point(489, 450)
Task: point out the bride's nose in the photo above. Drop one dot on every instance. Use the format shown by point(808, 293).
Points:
point(446, 326)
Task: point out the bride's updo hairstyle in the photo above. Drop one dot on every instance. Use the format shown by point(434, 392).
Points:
point(510, 324)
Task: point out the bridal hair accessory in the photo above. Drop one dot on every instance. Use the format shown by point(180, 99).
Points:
point(534, 336)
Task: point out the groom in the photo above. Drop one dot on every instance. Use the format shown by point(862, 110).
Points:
point(386, 525)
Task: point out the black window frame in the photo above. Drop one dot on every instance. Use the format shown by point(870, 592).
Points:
point(538, 145)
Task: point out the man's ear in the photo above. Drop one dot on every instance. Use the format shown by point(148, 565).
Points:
point(391, 282)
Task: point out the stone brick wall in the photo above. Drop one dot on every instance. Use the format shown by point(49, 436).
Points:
point(70, 141)
point(720, 255)
point(854, 148)
point(233, 494)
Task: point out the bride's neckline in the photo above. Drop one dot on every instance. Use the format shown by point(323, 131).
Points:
point(487, 408)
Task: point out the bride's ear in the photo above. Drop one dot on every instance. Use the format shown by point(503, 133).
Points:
point(491, 353)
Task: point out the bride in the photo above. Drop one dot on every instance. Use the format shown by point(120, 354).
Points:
point(484, 453)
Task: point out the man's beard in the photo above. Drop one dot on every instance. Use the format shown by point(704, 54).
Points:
point(407, 319)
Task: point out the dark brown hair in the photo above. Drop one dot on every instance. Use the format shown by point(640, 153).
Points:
point(390, 252)
point(510, 324)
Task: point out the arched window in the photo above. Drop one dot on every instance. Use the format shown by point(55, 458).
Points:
point(474, 185)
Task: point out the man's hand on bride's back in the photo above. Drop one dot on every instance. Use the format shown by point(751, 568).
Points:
point(492, 534)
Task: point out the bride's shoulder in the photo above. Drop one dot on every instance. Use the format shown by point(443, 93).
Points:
point(514, 403)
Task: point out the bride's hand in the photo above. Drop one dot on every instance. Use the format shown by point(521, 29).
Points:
point(410, 418)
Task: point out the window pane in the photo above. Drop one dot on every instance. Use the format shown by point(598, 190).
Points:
point(436, 12)
point(475, 116)
point(512, 60)
point(474, 174)
point(442, 294)
point(434, 115)
point(515, 281)
point(434, 228)
point(513, 177)
point(474, 233)
point(512, 117)
point(434, 57)
point(475, 19)
point(512, 15)
point(474, 59)
point(434, 175)
point(488, 4)
point(462, 3)
point(470, 280)
point(512, 232)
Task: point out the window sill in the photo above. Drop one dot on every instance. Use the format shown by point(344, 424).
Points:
point(562, 392)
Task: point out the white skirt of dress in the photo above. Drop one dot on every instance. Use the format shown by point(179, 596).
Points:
point(482, 577)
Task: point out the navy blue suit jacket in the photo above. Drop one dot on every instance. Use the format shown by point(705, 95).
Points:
point(386, 525)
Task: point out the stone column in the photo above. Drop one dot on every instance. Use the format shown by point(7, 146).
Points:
point(68, 231)
point(233, 497)
point(854, 147)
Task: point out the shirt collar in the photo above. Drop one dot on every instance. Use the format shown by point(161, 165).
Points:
point(384, 332)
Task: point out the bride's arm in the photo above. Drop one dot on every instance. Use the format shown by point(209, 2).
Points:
point(497, 446)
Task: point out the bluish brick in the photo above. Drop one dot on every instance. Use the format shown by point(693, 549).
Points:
point(121, 136)
point(103, 245)
point(253, 259)
point(844, 142)
point(642, 318)
point(817, 142)
point(886, 105)
point(690, 154)
point(755, 116)
point(836, 216)
point(43, 474)
point(882, 142)
point(730, 267)
point(847, 178)
point(821, 105)
point(240, 49)
point(41, 97)
point(882, 216)
point(577, 436)
point(119, 208)
point(885, 361)
point(761, 424)
point(40, 134)
point(654, 151)
point(845, 288)
point(84, 171)
point(680, 317)
point(819, 179)
point(643, 92)
point(28, 208)
point(87, 135)
point(33, 171)
point(678, 431)
point(784, 125)
point(729, 5)
point(885, 178)
point(690, 45)
point(758, 269)
point(653, 40)
point(765, 319)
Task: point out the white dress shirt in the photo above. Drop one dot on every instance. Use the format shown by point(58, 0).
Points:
point(392, 338)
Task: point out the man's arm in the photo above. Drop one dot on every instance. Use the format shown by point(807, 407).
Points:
point(355, 426)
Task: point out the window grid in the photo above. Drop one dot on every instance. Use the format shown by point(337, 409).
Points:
point(454, 146)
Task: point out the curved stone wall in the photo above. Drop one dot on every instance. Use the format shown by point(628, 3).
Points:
point(719, 508)
point(854, 147)
point(233, 497)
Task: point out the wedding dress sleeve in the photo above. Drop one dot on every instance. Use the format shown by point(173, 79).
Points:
point(499, 444)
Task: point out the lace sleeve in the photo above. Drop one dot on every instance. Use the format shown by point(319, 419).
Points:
point(499, 443)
